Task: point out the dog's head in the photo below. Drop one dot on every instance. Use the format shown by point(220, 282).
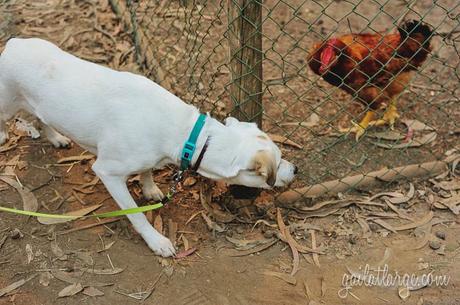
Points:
point(240, 153)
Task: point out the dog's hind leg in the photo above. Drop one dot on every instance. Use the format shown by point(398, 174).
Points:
point(110, 174)
point(57, 139)
point(150, 188)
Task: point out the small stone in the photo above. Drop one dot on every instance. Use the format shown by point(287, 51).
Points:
point(374, 227)
point(440, 235)
point(269, 233)
point(435, 245)
point(352, 240)
point(239, 230)
point(16, 234)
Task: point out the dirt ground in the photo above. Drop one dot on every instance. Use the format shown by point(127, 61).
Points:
point(411, 227)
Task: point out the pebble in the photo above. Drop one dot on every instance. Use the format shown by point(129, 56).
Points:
point(16, 234)
point(435, 245)
point(269, 233)
point(440, 234)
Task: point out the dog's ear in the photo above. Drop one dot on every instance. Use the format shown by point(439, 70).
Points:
point(265, 166)
point(231, 121)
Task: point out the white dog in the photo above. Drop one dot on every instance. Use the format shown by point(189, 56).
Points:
point(131, 123)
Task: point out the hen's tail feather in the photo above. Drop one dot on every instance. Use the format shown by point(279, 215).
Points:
point(413, 27)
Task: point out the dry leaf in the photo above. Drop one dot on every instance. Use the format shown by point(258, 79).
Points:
point(15, 285)
point(57, 251)
point(285, 277)
point(246, 244)
point(110, 271)
point(416, 125)
point(70, 290)
point(236, 253)
point(24, 128)
point(403, 293)
point(211, 224)
point(416, 142)
point(283, 140)
point(68, 278)
point(312, 121)
point(189, 181)
point(75, 158)
point(451, 185)
point(85, 257)
point(384, 224)
point(107, 247)
point(29, 200)
point(29, 253)
point(158, 223)
point(185, 253)
point(206, 202)
point(185, 242)
point(92, 292)
point(390, 135)
point(425, 219)
point(172, 231)
point(81, 212)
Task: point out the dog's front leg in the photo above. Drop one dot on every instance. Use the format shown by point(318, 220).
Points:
point(149, 187)
point(116, 185)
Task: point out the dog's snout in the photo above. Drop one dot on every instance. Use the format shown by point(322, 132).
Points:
point(296, 169)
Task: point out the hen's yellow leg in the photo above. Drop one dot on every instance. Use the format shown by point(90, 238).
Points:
point(359, 129)
point(389, 117)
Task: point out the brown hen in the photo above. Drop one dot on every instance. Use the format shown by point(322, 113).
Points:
point(373, 68)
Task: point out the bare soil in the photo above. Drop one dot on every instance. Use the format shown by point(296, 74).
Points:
point(211, 275)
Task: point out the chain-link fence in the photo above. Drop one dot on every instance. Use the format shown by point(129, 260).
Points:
point(250, 59)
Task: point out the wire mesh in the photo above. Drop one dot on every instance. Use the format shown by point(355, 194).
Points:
point(186, 46)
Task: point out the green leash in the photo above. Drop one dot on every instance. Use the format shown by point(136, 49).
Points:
point(102, 215)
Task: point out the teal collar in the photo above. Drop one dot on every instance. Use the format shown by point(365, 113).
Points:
point(190, 145)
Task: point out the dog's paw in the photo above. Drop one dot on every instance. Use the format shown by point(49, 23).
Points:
point(59, 140)
point(153, 193)
point(161, 246)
